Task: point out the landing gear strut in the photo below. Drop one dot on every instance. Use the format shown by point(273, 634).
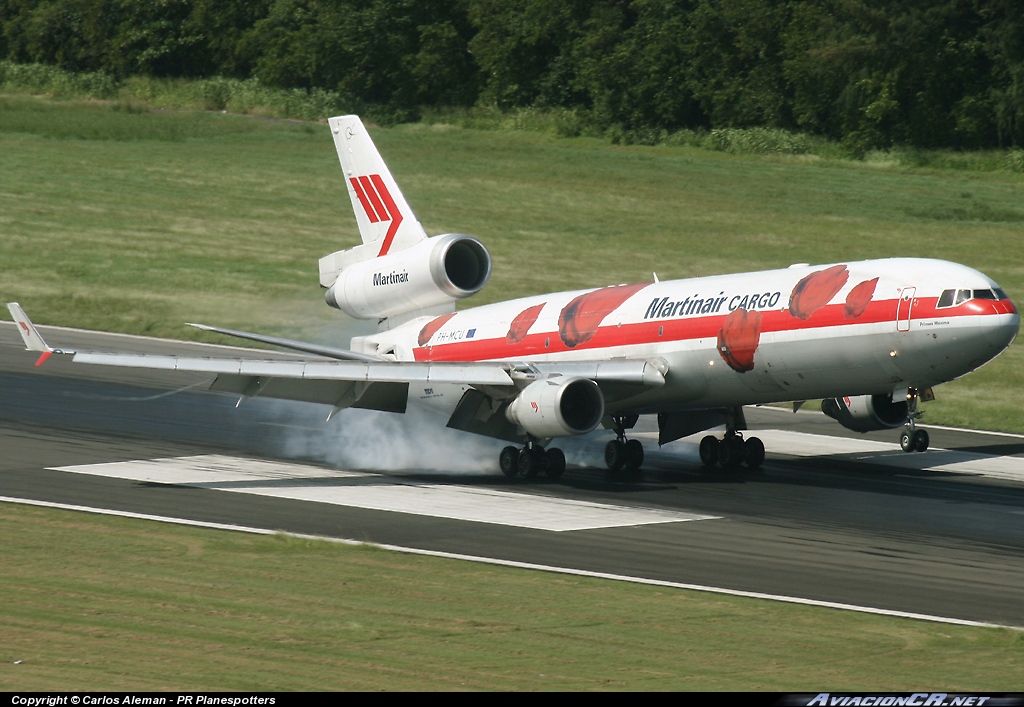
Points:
point(621, 454)
point(732, 450)
point(532, 459)
point(913, 439)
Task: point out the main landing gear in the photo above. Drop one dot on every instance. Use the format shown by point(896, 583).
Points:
point(913, 439)
point(621, 454)
point(731, 451)
point(531, 460)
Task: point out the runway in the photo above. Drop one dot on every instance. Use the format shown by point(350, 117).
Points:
point(834, 516)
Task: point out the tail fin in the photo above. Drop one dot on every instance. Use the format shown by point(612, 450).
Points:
point(386, 223)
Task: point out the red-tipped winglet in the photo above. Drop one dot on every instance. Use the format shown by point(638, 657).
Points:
point(30, 335)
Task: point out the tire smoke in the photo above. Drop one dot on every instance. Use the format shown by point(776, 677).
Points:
point(368, 439)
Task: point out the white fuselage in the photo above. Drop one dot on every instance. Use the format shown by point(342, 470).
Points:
point(804, 332)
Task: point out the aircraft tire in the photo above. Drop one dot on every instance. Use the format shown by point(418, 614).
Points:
point(709, 447)
point(921, 440)
point(530, 462)
point(753, 450)
point(634, 454)
point(508, 461)
point(731, 452)
point(906, 441)
point(615, 455)
point(554, 463)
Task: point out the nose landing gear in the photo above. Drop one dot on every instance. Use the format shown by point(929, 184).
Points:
point(913, 439)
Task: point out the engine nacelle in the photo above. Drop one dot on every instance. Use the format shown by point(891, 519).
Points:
point(558, 407)
point(435, 271)
point(866, 413)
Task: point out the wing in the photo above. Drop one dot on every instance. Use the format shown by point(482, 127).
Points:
point(342, 378)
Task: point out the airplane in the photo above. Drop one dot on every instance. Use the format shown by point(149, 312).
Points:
point(871, 339)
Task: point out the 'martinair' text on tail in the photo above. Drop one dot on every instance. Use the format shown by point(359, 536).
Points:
point(397, 271)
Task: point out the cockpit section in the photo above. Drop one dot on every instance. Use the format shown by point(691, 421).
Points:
point(953, 298)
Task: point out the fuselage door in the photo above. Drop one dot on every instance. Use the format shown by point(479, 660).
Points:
point(904, 308)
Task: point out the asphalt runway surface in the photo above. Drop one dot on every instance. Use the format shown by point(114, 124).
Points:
point(833, 516)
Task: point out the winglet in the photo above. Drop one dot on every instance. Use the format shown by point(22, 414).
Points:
point(30, 335)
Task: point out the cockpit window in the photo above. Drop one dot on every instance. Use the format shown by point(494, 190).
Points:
point(950, 298)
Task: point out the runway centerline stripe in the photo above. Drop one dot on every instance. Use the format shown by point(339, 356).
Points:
point(363, 489)
point(523, 565)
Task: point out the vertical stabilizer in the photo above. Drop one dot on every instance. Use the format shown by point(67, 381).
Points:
point(384, 217)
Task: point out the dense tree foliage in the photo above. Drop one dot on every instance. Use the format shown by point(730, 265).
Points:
point(871, 73)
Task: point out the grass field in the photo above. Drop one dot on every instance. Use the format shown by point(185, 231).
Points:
point(209, 610)
point(138, 221)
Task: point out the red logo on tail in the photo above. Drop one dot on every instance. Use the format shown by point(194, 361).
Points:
point(378, 205)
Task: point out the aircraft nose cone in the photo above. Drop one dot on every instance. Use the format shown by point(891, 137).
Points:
point(1005, 325)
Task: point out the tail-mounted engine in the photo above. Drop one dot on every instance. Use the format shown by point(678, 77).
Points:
point(557, 407)
point(866, 413)
point(435, 271)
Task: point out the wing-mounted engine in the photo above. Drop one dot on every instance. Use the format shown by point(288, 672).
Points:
point(866, 413)
point(557, 407)
point(435, 272)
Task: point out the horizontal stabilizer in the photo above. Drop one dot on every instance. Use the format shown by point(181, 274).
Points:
point(328, 351)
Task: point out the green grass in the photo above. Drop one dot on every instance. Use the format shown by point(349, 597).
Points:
point(138, 221)
point(208, 610)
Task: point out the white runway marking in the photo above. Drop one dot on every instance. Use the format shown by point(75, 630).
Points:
point(800, 444)
point(383, 493)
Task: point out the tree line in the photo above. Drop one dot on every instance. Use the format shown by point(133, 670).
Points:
point(869, 73)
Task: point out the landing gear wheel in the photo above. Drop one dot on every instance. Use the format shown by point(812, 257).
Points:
point(531, 460)
point(907, 441)
point(920, 441)
point(731, 452)
point(554, 463)
point(615, 455)
point(753, 452)
point(634, 455)
point(709, 447)
point(509, 461)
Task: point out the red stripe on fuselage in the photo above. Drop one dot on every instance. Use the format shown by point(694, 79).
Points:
point(647, 331)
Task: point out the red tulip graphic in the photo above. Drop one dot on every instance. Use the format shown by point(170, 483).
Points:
point(579, 320)
point(522, 323)
point(816, 290)
point(431, 328)
point(738, 339)
point(858, 299)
